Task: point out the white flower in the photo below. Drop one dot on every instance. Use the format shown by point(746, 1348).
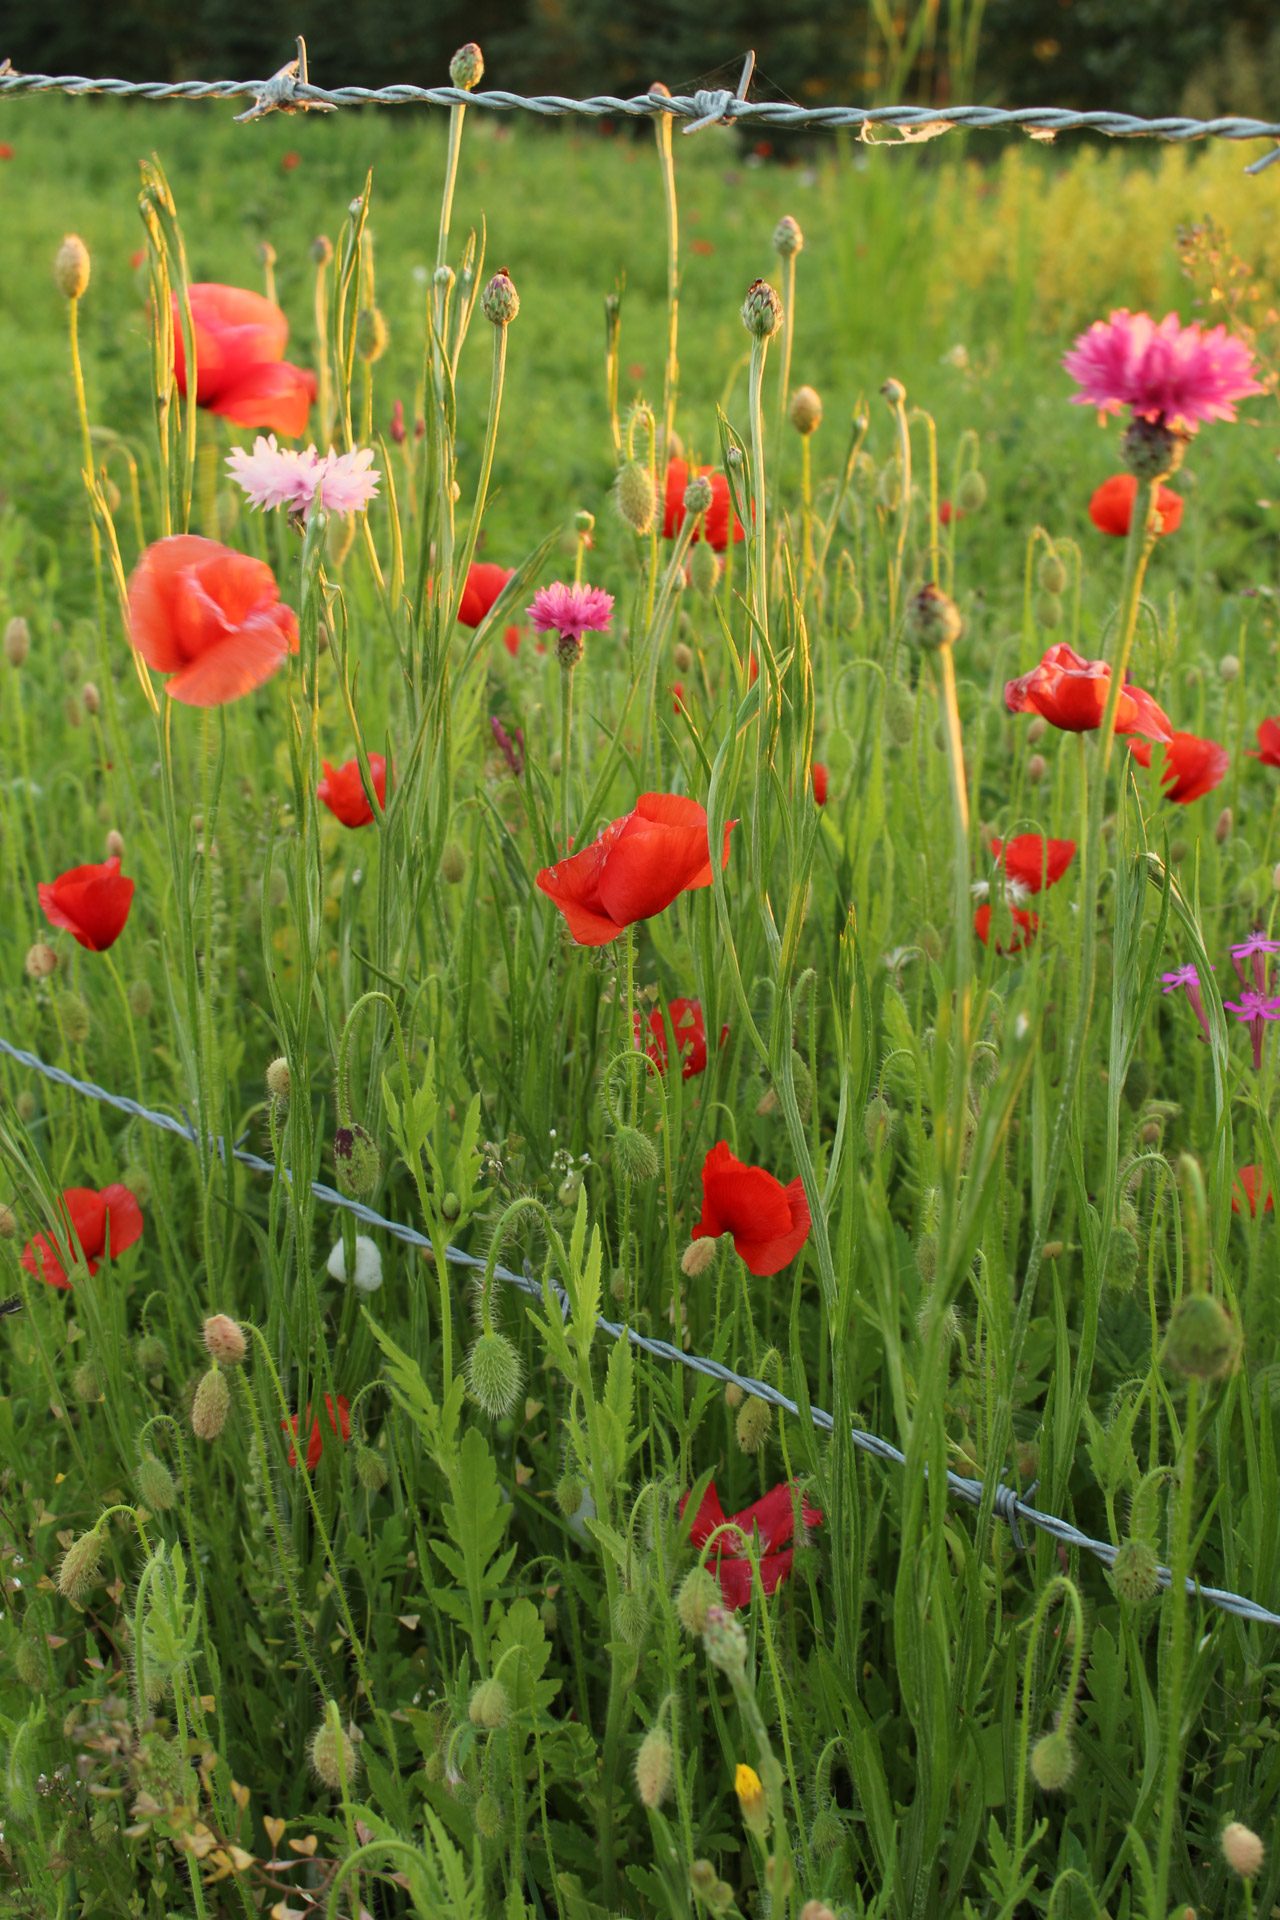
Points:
point(368, 1274)
point(275, 476)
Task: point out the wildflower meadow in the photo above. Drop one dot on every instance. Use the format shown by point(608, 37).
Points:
point(679, 928)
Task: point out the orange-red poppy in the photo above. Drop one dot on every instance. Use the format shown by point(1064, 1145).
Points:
point(241, 371)
point(1111, 507)
point(1192, 767)
point(210, 618)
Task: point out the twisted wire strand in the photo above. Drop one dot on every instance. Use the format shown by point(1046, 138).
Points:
point(286, 93)
point(1008, 1505)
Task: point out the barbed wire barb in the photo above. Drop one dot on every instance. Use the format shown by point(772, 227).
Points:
point(285, 91)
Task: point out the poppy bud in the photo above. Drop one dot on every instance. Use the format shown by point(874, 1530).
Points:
point(1242, 1850)
point(630, 1618)
point(91, 697)
point(683, 656)
point(1051, 574)
point(500, 303)
point(1229, 666)
point(8, 1223)
point(224, 1341)
point(1223, 824)
point(466, 69)
point(762, 309)
point(877, 1123)
point(155, 1483)
point(733, 1395)
point(1053, 1761)
point(115, 845)
point(151, 1353)
point(41, 961)
point(26, 1105)
point(899, 712)
point(277, 1078)
point(141, 999)
point(371, 334)
point(1201, 1341)
point(371, 1469)
point(1151, 450)
point(74, 1015)
point(933, 619)
point(568, 1494)
point(1133, 1571)
point(17, 641)
point(724, 1641)
point(755, 1419)
point(85, 1383)
point(548, 1615)
point(78, 1573)
point(73, 710)
point(1122, 1260)
point(753, 1802)
point(332, 1756)
point(31, 1662)
point(322, 250)
point(494, 1373)
point(787, 237)
point(487, 1815)
point(1037, 767)
point(653, 1768)
point(702, 1878)
point(805, 411)
point(356, 1161)
point(453, 863)
point(698, 1592)
point(1037, 730)
point(72, 665)
point(1048, 610)
point(490, 1707)
point(634, 495)
point(698, 1257)
point(825, 1835)
point(704, 569)
point(971, 492)
point(635, 1155)
point(927, 1257)
point(211, 1405)
point(71, 267)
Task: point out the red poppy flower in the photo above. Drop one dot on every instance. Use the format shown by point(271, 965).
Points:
point(1071, 694)
point(290, 160)
point(703, 246)
point(819, 783)
point(769, 1222)
point(6, 151)
point(690, 1033)
point(95, 1221)
point(91, 902)
point(1268, 744)
point(485, 582)
point(511, 640)
point(342, 791)
point(637, 867)
point(1111, 508)
point(1247, 1182)
point(241, 371)
point(1192, 767)
point(1025, 927)
point(209, 617)
point(773, 1518)
point(1033, 860)
point(716, 519)
point(137, 257)
point(315, 1439)
point(947, 513)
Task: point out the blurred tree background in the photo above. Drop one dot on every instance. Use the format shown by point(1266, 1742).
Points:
point(1145, 56)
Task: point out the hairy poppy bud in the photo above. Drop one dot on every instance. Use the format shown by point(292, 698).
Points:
point(141, 999)
point(805, 411)
point(91, 697)
point(762, 310)
point(332, 1756)
point(1150, 450)
point(1037, 767)
point(17, 641)
point(878, 1123)
point(155, 1483)
point(500, 303)
point(933, 619)
point(1201, 1340)
point(211, 1405)
point(1048, 610)
point(733, 1394)
point(151, 1353)
point(85, 1383)
point(1242, 1850)
point(702, 1878)
point(41, 961)
point(487, 1815)
point(8, 1223)
point(899, 712)
point(704, 569)
point(1229, 666)
point(549, 1616)
point(371, 334)
point(74, 1015)
point(698, 1592)
point(78, 1573)
point(1053, 1761)
point(71, 267)
point(26, 1105)
point(490, 1707)
point(453, 864)
point(1223, 824)
point(494, 1373)
point(115, 845)
point(724, 1641)
point(568, 1494)
point(1122, 1259)
point(971, 491)
point(356, 1160)
point(698, 1257)
point(466, 69)
point(31, 1662)
point(635, 1154)
point(755, 1419)
point(277, 1078)
point(371, 1469)
point(653, 1768)
point(1051, 574)
point(787, 237)
point(630, 1618)
point(753, 1802)
point(224, 1341)
point(1133, 1571)
point(825, 1835)
point(698, 495)
point(634, 495)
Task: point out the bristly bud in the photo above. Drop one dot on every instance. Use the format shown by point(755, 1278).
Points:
point(549, 1616)
point(698, 1258)
point(1037, 767)
point(899, 712)
point(635, 1154)
point(487, 1814)
point(805, 411)
point(500, 303)
point(971, 491)
point(371, 334)
point(1201, 1341)
point(698, 1593)
point(91, 697)
point(724, 1641)
point(17, 641)
point(878, 1123)
point(1223, 824)
point(1047, 609)
point(332, 1756)
point(1051, 574)
point(1242, 1850)
point(31, 1662)
point(321, 249)
point(494, 1374)
point(825, 1836)
point(224, 1341)
point(156, 1486)
point(1122, 1260)
point(753, 1802)
point(704, 569)
point(371, 1469)
point(8, 1223)
point(755, 1419)
point(490, 1706)
point(115, 844)
point(732, 1394)
point(933, 619)
point(1229, 666)
point(85, 1383)
point(466, 69)
point(211, 1405)
point(74, 1015)
point(151, 1353)
point(1053, 1761)
point(26, 1106)
point(702, 1878)
point(634, 495)
point(653, 1768)
point(1134, 1570)
point(141, 999)
point(630, 1618)
point(71, 267)
point(357, 1162)
point(683, 656)
point(277, 1078)
point(78, 1573)
point(568, 1493)
point(1151, 450)
point(453, 864)
point(787, 237)
point(761, 310)
point(41, 961)
point(698, 495)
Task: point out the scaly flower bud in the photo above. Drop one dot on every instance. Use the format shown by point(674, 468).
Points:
point(490, 1706)
point(761, 310)
point(211, 1405)
point(933, 619)
point(805, 411)
point(653, 1768)
point(787, 237)
point(753, 1803)
point(466, 69)
point(1151, 450)
point(71, 267)
point(698, 495)
point(500, 303)
point(494, 1373)
point(224, 1341)
point(332, 1756)
point(17, 641)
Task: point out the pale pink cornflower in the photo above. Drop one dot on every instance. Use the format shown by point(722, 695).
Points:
point(274, 476)
point(570, 612)
point(1169, 373)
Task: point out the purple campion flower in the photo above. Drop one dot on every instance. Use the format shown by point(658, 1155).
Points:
point(512, 749)
point(1256, 1007)
point(1174, 375)
point(570, 612)
point(1254, 948)
point(1188, 977)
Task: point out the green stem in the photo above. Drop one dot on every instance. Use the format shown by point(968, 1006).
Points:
point(756, 534)
point(566, 716)
point(486, 466)
point(662, 125)
point(1171, 1689)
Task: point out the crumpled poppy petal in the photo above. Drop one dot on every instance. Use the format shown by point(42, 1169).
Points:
point(124, 1222)
point(709, 1516)
point(243, 661)
point(661, 852)
point(1033, 860)
point(276, 395)
point(774, 1516)
point(574, 886)
point(766, 1256)
point(90, 902)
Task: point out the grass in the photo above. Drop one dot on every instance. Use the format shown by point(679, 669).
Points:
point(468, 1648)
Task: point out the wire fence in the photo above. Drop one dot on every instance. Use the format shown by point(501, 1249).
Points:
point(1010, 1507)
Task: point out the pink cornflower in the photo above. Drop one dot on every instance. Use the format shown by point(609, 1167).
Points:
point(1188, 977)
point(570, 612)
point(274, 476)
point(1168, 373)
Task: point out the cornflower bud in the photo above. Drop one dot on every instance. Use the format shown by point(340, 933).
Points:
point(933, 619)
point(787, 237)
point(704, 569)
point(490, 1707)
point(971, 492)
point(466, 69)
point(698, 1593)
point(653, 1768)
point(224, 1341)
point(894, 392)
point(321, 249)
point(356, 1160)
point(211, 1405)
point(17, 641)
point(371, 334)
point(635, 1154)
point(494, 1373)
point(634, 495)
point(1053, 1760)
point(71, 267)
point(698, 495)
point(1242, 1850)
point(78, 1572)
point(761, 310)
point(500, 303)
point(332, 1756)
point(805, 411)
point(155, 1483)
point(753, 1802)
point(1201, 1341)
point(41, 961)
point(724, 1642)
point(755, 1418)
point(1151, 450)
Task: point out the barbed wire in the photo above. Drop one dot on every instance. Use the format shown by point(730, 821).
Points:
point(1011, 1508)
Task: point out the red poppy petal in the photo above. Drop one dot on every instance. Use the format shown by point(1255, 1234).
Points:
point(124, 1219)
point(709, 1516)
point(735, 1581)
point(40, 1258)
point(775, 1568)
point(768, 1255)
point(241, 662)
point(273, 394)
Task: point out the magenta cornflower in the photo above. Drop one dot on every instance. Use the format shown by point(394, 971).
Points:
point(274, 476)
point(1255, 1007)
point(1188, 978)
point(1169, 373)
point(570, 612)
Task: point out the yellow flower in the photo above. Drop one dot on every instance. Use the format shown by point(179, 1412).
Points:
point(751, 1798)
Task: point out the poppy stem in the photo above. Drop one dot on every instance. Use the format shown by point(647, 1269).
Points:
point(566, 716)
point(662, 123)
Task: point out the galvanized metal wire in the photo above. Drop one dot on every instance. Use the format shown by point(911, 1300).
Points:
point(1012, 1509)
